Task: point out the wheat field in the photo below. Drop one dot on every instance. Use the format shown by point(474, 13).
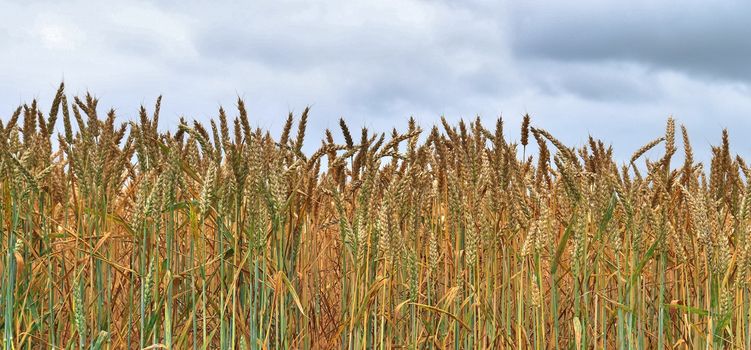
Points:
point(116, 235)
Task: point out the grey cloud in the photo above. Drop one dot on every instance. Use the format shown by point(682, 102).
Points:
point(378, 64)
point(609, 82)
point(710, 41)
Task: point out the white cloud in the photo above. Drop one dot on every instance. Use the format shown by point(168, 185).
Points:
point(56, 36)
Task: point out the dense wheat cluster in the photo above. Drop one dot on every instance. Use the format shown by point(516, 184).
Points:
point(222, 236)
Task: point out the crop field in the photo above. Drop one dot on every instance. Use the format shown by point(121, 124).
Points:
point(120, 234)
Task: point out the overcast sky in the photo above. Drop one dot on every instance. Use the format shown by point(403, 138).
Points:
point(615, 71)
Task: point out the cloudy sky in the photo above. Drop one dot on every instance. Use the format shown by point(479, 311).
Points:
point(615, 71)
